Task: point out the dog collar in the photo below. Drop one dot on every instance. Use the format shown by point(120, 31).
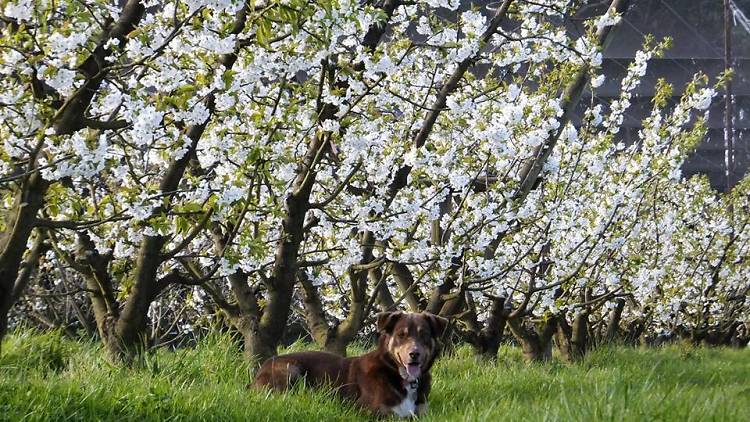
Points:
point(413, 384)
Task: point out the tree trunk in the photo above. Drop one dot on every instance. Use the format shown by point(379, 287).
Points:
point(487, 341)
point(573, 341)
point(281, 283)
point(385, 299)
point(256, 346)
point(741, 335)
point(24, 274)
point(562, 339)
point(324, 335)
point(536, 343)
point(130, 328)
point(336, 339)
point(19, 223)
point(336, 345)
point(613, 324)
point(342, 335)
point(635, 331)
point(452, 305)
point(437, 297)
point(405, 282)
point(95, 270)
point(30, 265)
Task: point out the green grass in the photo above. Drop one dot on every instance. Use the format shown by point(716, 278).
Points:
point(46, 377)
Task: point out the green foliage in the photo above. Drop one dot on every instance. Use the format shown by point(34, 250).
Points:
point(209, 382)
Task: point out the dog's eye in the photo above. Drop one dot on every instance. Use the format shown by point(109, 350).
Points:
point(402, 334)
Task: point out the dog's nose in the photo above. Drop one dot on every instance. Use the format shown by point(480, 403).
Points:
point(414, 355)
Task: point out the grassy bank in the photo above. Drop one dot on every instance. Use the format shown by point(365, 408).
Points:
point(44, 377)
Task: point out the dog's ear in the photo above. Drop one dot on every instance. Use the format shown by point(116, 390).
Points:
point(437, 323)
point(388, 320)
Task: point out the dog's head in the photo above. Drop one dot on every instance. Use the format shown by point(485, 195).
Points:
point(411, 339)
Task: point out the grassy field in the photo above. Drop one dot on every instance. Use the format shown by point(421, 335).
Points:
point(45, 377)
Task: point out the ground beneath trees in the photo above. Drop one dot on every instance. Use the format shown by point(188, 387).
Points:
point(44, 377)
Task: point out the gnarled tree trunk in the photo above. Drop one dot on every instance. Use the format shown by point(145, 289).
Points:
point(335, 338)
point(536, 342)
point(573, 340)
point(486, 340)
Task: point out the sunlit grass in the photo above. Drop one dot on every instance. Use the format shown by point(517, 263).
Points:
point(46, 377)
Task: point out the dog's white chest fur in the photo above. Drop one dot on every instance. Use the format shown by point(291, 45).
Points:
point(408, 406)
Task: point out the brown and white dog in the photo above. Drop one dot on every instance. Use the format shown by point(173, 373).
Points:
point(393, 379)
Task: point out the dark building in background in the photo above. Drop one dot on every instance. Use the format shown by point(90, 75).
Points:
point(697, 28)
